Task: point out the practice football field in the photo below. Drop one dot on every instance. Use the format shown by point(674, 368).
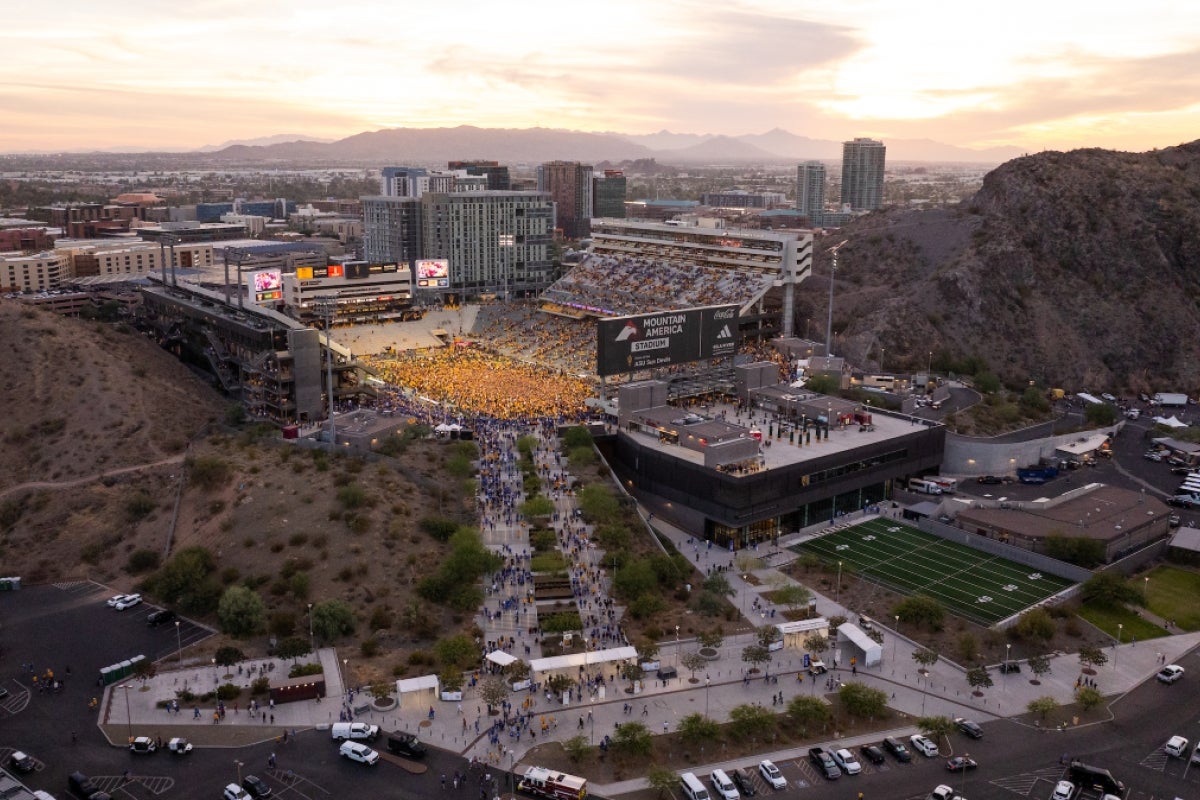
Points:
point(973, 584)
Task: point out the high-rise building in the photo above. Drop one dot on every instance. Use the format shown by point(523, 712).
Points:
point(404, 181)
point(496, 242)
point(810, 191)
point(497, 175)
point(391, 229)
point(569, 185)
point(608, 194)
point(862, 174)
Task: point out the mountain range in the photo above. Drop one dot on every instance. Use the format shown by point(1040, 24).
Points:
point(430, 146)
point(1080, 268)
point(534, 145)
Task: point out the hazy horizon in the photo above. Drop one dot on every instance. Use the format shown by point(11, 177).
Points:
point(1032, 76)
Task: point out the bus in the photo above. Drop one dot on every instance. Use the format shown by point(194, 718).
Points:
point(923, 486)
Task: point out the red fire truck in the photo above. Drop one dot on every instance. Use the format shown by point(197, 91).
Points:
point(542, 782)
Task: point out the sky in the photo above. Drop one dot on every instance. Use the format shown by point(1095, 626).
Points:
point(1051, 74)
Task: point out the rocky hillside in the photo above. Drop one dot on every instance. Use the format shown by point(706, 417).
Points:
point(1077, 269)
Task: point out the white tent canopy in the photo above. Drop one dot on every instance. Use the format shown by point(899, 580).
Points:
point(1170, 422)
point(501, 658)
point(448, 427)
point(588, 659)
point(872, 651)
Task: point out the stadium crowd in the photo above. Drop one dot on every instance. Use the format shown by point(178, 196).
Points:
point(629, 285)
point(522, 331)
point(476, 383)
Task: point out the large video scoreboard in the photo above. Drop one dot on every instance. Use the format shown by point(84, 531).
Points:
point(663, 338)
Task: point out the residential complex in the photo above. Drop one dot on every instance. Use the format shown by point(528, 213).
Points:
point(608, 194)
point(810, 191)
point(862, 174)
point(569, 185)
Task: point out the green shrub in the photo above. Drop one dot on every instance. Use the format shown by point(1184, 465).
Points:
point(304, 669)
point(142, 561)
point(228, 691)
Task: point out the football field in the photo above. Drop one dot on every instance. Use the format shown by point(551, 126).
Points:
point(970, 583)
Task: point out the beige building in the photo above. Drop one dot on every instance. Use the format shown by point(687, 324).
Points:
point(106, 259)
point(39, 272)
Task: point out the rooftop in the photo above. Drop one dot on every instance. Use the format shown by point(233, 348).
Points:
point(1095, 511)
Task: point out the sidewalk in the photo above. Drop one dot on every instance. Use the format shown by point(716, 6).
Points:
point(944, 691)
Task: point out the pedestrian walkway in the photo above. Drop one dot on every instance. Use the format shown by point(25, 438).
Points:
point(509, 620)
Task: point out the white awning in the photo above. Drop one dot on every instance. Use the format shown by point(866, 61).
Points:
point(872, 651)
point(587, 659)
point(1084, 446)
point(425, 683)
point(502, 658)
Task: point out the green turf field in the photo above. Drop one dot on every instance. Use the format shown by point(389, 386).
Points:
point(970, 583)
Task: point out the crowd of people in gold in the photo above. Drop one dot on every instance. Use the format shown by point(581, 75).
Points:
point(474, 382)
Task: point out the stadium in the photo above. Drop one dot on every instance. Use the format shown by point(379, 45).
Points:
point(701, 417)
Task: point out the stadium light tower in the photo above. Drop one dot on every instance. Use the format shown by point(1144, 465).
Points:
point(326, 305)
point(833, 251)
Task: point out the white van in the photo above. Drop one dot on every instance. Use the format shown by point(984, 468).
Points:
point(341, 731)
point(725, 788)
point(923, 486)
point(948, 485)
point(693, 789)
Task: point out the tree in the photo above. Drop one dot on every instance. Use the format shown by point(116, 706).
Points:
point(713, 639)
point(537, 506)
point(967, 646)
point(694, 662)
point(632, 739)
point(559, 683)
point(747, 562)
point(1088, 698)
point(186, 581)
point(921, 610)
point(292, 647)
point(936, 727)
point(518, 671)
point(241, 611)
point(979, 678)
point(816, 643)
point(1109, 590)
point(331, 619)
point(493, 691)
point(925, 657)
point(450, 678)
point(1039, 666)
point(861, 700)
point(1042, 706)
point(1035, 625)
point(718, 584)
point(228, 656)
point(632, 673)
point(768, 635)
point(805, 711)
point(698, 729)
point(1090, 656)
point(755, 654)
point(578, 748)
point(382, 689)
point(647, 650)
point(1101, 415)
point(457, 651)
point(662, 781)
point(751, 721)
point(1078, 550)
point(145, 670)
point(792, 596)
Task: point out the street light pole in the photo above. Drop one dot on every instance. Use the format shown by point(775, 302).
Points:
point(707, 681)
point(239, 770)
point(837, 596)
point(311, 646)
point(179, 642)
point(1007, 650)
point(895, 636)
point(677, 647)
point(1117, 650)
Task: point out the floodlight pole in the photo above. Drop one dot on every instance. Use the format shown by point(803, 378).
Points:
point(326, 304)
point(833, 251)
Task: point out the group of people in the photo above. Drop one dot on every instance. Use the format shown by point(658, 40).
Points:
point(473, 382)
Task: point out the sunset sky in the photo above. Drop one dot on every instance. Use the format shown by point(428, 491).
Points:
point(1057, 74)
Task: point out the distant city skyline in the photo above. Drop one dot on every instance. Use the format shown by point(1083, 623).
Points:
point(180, 76)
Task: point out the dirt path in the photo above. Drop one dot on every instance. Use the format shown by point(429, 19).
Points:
point(22, 487)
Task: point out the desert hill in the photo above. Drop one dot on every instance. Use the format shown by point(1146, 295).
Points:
point(82, 398)
point(1078, 269)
